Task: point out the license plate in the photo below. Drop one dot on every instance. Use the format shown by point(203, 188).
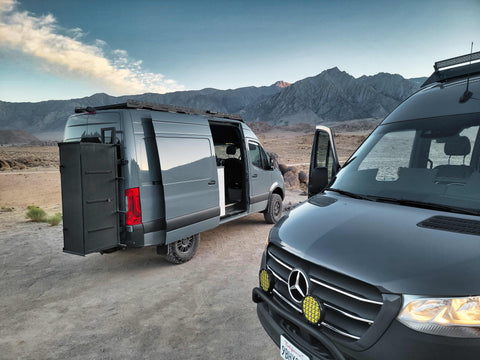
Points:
point(288, 351)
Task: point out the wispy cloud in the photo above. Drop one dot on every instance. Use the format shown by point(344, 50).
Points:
point(65, 51)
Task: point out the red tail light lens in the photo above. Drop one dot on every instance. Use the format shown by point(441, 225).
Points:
point(134, 211)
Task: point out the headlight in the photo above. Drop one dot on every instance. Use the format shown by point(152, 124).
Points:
point(454, 317)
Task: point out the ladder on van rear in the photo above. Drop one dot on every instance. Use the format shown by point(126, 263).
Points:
point(90, 197)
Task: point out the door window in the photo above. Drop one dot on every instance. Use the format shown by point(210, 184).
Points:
point(324, 154)
point(258, 156)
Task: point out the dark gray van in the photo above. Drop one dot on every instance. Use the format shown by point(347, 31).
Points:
point(140, 174)
point(383, 260)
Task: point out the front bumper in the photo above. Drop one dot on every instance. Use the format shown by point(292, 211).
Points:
point(397, 343)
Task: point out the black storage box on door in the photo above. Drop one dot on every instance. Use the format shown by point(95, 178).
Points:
point(89, 197)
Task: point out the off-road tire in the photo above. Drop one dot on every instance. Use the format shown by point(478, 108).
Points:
point(274, 209)
point(182, 250)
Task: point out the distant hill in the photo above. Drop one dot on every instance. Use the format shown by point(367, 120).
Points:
point(17, 137)
point(332, 95)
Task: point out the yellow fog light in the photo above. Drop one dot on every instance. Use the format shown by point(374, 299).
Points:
point(313, 309)
point(266, 280)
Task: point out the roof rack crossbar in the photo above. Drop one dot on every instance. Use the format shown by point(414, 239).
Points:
point(456, 60)
point(457, 72)
point(134, 104)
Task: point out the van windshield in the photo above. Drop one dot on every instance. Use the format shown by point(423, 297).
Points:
point(90, 126)
point(433, 161)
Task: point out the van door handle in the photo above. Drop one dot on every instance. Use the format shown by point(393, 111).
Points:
point(254, 175)
point(212, 182)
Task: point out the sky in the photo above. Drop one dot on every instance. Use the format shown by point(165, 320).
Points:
point(64, 49)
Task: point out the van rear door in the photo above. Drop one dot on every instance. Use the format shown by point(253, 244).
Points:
point(324, 162)
point(89, 197)
point(189, 176)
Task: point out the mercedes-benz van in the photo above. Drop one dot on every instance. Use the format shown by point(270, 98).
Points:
point(141, 174)
point(383, 260)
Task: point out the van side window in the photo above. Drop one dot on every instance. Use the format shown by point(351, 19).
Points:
point(258, 156)
point(184, 159)
point(390, 154)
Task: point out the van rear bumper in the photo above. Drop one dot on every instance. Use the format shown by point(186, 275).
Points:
point(397, 343)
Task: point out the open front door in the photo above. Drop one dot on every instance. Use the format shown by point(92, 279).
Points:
point(323, 162)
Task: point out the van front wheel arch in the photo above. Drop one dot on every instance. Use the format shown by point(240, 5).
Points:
point(183, 250)
point(274, 210)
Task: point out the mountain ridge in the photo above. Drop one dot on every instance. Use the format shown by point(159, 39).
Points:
point(332, 95)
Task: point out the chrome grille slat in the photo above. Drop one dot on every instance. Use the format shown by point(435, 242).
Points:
point(345, 293)
point(346, 313)
point(333, 328)
point(288, 302)
point(280, 261)
point(277, 276)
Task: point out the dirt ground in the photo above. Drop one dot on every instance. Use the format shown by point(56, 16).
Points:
point(130, 304)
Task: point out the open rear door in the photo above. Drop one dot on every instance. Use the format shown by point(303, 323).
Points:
point(89, 197)
point(324, 162)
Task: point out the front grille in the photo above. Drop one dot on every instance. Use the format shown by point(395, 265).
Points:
point(351, 305)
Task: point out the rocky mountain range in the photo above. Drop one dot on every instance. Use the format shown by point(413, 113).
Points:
point(333, 95)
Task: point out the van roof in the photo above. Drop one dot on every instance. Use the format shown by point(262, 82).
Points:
point(134, 104)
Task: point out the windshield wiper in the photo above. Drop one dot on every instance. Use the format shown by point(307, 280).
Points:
point(426, 205)
point(349, 194)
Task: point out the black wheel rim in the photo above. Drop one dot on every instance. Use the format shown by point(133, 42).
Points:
point(277, 208)
point(184, 245)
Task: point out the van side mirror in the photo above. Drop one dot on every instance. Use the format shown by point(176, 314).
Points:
point(271, 162)
point(324, 162)
point(318, 180)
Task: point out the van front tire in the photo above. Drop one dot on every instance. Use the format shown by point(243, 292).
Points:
point(274, 209)
point(182, 250)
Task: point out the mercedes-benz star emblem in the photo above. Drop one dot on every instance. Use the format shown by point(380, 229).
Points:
point(298, 285)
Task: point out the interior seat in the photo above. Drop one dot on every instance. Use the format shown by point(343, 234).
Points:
point(455, 146)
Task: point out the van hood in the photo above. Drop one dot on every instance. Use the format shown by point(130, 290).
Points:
point(382, 244)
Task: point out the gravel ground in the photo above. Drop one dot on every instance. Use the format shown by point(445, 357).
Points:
point(131, 304)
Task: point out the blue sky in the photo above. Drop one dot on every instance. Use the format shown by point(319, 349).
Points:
point(61, 49)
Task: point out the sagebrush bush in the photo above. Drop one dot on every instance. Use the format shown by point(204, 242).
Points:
point(36, 214)
point(55, 219)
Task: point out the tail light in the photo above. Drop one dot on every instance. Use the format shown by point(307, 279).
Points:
point(134, 211)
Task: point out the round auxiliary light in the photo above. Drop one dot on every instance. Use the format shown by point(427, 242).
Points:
point(313, 309)
point(266, 280)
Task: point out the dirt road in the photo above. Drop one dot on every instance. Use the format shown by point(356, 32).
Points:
point(130, 304)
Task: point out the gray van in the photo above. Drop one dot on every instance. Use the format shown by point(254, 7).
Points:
point(141, 174)
point(383, 260)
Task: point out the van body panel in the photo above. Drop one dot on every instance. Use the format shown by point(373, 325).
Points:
point(189, 175)
point(355, 225)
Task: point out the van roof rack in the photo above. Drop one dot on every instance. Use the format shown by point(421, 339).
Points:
point(134, 104)
point(444, 70)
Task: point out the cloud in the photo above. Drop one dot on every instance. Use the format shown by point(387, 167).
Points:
point(62, 51)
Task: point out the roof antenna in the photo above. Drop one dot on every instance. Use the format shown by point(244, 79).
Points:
point(467, 94)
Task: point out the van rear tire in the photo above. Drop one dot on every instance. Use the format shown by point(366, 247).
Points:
point(274, 209)
point(182, 250)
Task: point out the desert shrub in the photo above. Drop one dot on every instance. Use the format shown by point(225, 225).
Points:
point(36, 214)
point(55, 219)
point(7, 209)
